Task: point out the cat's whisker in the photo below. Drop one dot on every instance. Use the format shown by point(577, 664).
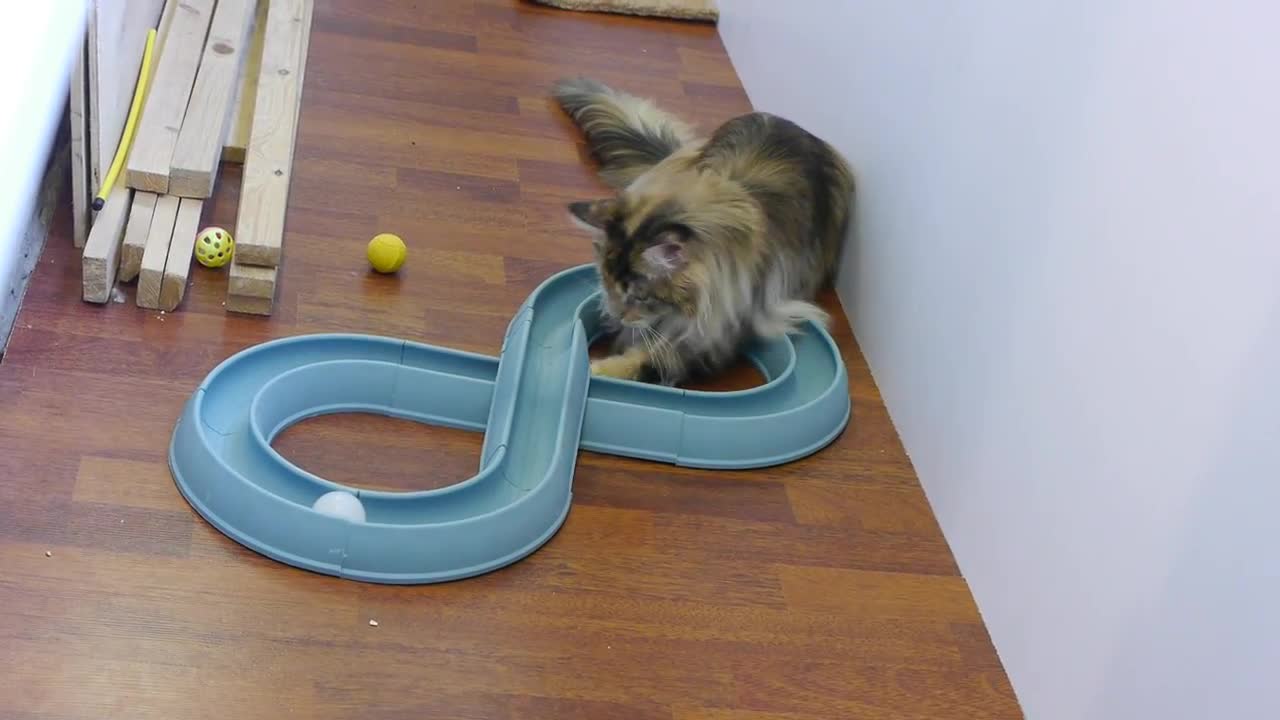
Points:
point(661, 341)
point(659, 348)
point(655, 356)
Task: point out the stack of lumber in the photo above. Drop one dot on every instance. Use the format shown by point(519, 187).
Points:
point(226, 84)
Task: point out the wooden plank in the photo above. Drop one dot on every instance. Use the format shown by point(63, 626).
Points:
point(199, 149)
point(246, 90)
point(117, 37)
point(101, 255)
point(264, 193)
point(178, 265)
point(162, 31)
point(251, 280)
point(251, 289)
point(78, 110)
point(249, 305)
point(166, 105)
point(135, 234)
point(157, 252)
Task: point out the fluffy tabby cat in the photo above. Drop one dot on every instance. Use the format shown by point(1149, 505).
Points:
point(708, 242)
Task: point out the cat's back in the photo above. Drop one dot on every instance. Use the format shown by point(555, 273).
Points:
point(803, 184)
point(759, 143)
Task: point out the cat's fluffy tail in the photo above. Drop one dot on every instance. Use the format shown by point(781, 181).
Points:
point(786, 317)
point(627, 135)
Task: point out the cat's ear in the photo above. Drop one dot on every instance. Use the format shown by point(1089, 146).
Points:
point(667, 254)
point(592, 214)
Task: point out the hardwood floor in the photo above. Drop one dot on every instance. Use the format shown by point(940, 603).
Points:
point(821, 590)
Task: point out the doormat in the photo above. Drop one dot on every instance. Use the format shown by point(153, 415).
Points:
point(702, 10)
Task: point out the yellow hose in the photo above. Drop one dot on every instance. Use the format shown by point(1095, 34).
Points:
point(139, 92)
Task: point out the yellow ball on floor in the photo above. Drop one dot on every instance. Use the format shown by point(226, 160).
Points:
point(387, 252)
point(214, 247)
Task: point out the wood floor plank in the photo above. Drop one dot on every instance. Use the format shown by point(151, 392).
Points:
point(706, 67)
point(832, 689)
point(690, 712)
point(132, 483)
point(876, 508)
point(883, 594)
point(818, 589)
point(786, 542)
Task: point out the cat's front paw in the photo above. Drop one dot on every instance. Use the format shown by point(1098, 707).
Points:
point(619, 367)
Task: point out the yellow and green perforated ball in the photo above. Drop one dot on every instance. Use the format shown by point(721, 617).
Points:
point(214, 247)
point(387, 252)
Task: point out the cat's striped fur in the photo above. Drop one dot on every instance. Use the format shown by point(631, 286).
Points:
point(708, 242)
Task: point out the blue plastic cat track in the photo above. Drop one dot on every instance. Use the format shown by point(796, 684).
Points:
point(536, 404)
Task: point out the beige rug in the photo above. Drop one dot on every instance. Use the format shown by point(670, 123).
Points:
point(704, 10)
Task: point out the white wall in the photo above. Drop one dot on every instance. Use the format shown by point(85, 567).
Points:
point(1066, 277)
point(36, 55)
